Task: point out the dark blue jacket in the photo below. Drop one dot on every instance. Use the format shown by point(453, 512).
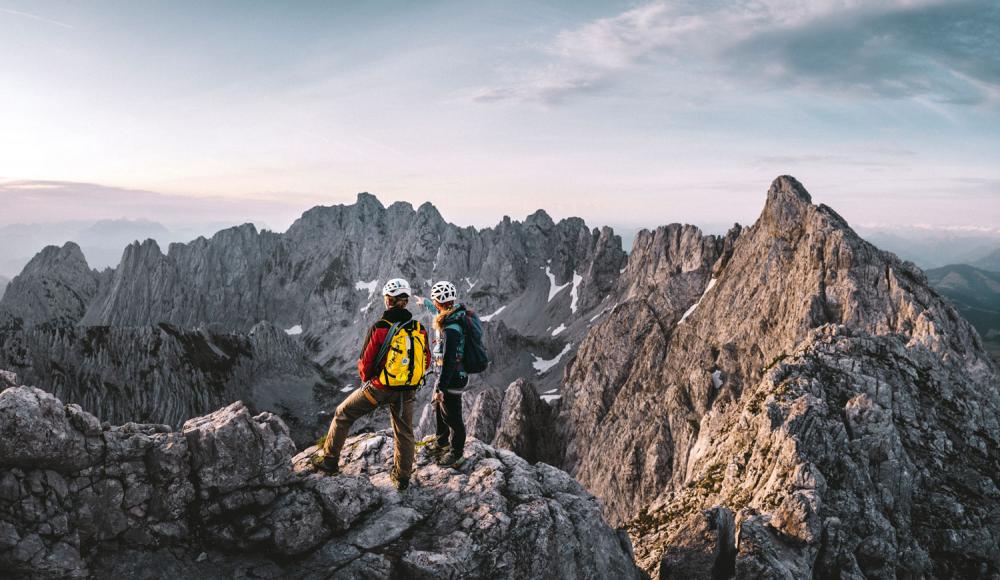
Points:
point(452, 376)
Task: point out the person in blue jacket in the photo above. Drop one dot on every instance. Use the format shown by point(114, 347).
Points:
point(449, 346)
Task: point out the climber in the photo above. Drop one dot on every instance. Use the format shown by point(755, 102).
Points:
point(449, 347)
point(393, 363)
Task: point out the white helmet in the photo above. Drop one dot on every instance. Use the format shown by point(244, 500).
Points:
point(443, 291)
point(396, 287)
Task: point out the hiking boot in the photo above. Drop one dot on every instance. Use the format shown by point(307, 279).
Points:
point(324, 463)
point(436, 450)
point(453, 459)
point(401, 483)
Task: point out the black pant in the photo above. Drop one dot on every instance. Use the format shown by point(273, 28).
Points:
point(449, 421)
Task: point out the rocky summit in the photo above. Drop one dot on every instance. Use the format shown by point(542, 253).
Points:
point(788, 402)
point(224, 497)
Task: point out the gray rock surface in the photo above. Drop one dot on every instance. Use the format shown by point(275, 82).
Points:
point(818, 390)
point(324, 274)
point(538, 283)
point(525, 425)
point(55, 287)
point(166, 375)
point(224, 497)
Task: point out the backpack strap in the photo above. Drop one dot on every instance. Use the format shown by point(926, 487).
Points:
point(387, 343)
point(460, 327)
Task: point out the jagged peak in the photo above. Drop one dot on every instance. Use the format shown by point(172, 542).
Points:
point(368, 201)
point(52, 256)
point(572, 223)
point(788, 205)
point(788, 186)
point(540, 218)
point(235, 231)
point(69, 249)
point(404, 207)
point(429, 210)
point(147, 247)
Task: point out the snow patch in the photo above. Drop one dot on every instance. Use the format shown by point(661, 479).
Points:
point(573, 293)
point(711, 283)
point(550, 398)
point(717, 379)
point(603, 311)
point(489, 317)
point(542, 366)
point(553, 289)
point(471, 284)
point(347, 389)
point(551, 391)
point(558, 329)
point(369, 286)
point(295, 330)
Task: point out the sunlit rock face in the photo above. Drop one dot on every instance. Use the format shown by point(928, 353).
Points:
point(801, 401)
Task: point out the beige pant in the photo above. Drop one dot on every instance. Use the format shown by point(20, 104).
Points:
point(365, 400)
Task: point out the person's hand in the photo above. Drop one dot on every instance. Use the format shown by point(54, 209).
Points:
point(438, 397)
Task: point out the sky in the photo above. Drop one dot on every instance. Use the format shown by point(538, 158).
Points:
point(628, 113)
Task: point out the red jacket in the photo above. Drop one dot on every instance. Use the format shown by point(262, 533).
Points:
point(368, 367)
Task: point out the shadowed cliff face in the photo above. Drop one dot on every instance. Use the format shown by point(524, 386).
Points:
point(224, 497)
point(732, 389)
point(164, 374)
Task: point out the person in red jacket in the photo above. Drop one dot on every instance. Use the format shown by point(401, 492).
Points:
point(373, 393)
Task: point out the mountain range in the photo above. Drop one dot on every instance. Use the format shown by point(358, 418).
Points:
point(976, 294)
point(101, 240)
point(989, 262)
point(784, 400)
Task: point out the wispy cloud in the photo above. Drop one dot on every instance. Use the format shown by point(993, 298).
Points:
point(37, 18)
point(944, 50)
point(29, 201)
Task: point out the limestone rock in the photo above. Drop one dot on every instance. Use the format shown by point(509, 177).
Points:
point(35, 432)
point(804, 381)
point(232, 450)
point(55, 287)
point(525, 424)
point(226, 498)
point(167, 374)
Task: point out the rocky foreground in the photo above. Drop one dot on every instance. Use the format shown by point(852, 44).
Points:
point(224, 497)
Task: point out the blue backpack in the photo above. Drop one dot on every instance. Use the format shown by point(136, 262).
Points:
point(474, 357)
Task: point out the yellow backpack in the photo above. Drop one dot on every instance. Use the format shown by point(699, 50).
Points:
point(404, 353)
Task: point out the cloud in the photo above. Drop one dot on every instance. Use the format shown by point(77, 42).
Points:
point(942, 50)
point(548, 89)
point(53, 201)
point(946, 52)
point(36, 17)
